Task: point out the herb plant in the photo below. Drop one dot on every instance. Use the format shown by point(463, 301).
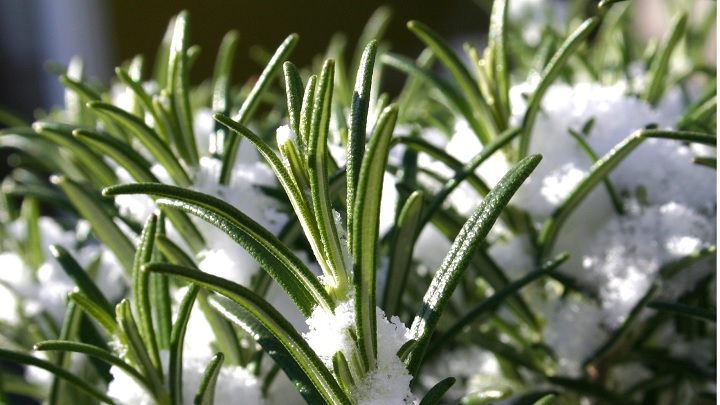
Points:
point(534, 222)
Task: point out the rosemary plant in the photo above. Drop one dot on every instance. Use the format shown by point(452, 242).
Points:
point(309, 238)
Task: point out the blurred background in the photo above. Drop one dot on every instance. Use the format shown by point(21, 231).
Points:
point(106, 33)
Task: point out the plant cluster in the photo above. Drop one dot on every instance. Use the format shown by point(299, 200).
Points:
point(534, 222)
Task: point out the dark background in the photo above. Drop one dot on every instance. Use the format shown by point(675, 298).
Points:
point(106, 33)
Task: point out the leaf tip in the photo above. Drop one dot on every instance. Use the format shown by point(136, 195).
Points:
point(38, 126)
point(57, 179)
point(55, 250)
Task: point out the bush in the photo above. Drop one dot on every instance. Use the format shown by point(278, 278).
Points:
point(310, 237)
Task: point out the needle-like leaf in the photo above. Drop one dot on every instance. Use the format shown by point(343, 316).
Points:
point(30, 360)
point(90, 207)
point(358, 124)
point(278, 260)
point(205, 394)
point(270, 344)
point(435, 394)
point(270, 319)
point(365, 233)
point(600, 170)
point(461, 251)
point(251, 102)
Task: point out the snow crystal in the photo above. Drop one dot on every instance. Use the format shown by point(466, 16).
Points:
point(574, 332)
point(669, 208)
point(628, 251)
point(125, 390)
point(389, 382)
point(330, 332)
point(233, 382)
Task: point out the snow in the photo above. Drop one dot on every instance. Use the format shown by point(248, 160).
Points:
point(669, 203)
point(233, 382)
point(32, 291)
point(389, 381)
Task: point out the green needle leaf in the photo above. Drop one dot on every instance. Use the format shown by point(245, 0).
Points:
point(306, 110)
point(495, 301)
point(342, 371)
point(499, 66)
point(437, 153)
point(177, 340)
point(401, 252)
point(657, 74)
point(270, 344)
point(486, 396)
point(686, 310)
point(457, 260)
point(294, 91)
point(138, 352)
point(600, 170)
point(468, 171)
point(29, 360)
point(81, 278)
point(297, 197)
point(278, 260)
point(99, 172)
point(373, 31)
point(225, 334)
point(91, 307)
point(270, 319)
point(94, 351)
point(70, 330)
point(548, 76)
point(146, 101)
point(140, 170)
point(141, 291)
point(178, 87)
point(148, 137)
point(318, 170)
point(482, 119)
point(78, 93)
point(358, 124)
point(546, 400)
point(9, 119)
point(671, 268)
point(30, 213)
point(365, 233)
point(590, 388)
point(102, 223)
point(452, 94)
point(205, 394)
point(614, 196)
point(121, 152)
point(615, 341)
point(251, 103)
point(436, 393)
